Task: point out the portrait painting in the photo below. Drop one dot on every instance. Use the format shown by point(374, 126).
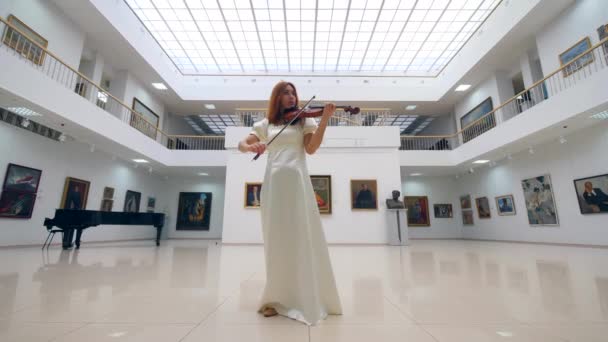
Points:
point(417, 211)
point(151, 205)
point(443, 210)
point(194, 211)
point(322, 188)
point(132, 200)
point(16, 204)
point(108, 193)
point(252, 195)
point(505, 205)
point(467, 217)
point(465, 202)
point(21, 178)
point(592, 194)
point(364, 194)
point(75, 194)
point(540, 202)
point(483, 207)
point(106, 204)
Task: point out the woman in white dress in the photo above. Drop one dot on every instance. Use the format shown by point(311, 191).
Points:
point(299, 279)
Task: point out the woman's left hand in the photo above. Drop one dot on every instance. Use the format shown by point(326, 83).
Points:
point(329, 110)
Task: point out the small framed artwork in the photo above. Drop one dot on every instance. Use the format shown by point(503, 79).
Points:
point(465, 202)
point(151, 205)
point(321, 185)
point(592, 194)
point(572, 53)
point(505, 205)
point(21, 178)
point(108, 193)
point(252, 195)
point(132, 200)
point(443, 210)
point(75, 194)
point(15, 204)
point(106, 204)
point(363, 194)
point(540, 202)
point(147, 121)
point(417, 211)
point(483, 207)
point(194, 211)
point(467, 217)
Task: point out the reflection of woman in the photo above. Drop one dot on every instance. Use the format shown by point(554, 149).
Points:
point(299, 279)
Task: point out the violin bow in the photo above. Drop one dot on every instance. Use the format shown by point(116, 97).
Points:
point(287, 125)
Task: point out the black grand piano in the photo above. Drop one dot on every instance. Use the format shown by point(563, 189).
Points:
point(78, 220)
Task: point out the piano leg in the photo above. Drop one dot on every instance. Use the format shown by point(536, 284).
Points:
point(78, 235)
point(68, 235)
point(158, 231)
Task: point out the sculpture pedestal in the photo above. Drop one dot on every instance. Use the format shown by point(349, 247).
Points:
point(397, 227)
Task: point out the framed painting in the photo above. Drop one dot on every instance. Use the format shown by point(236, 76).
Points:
point(475, 114)
point(147, 123)
point(443, 210)
point(322, 188)
point(194, 211)
point(108, 193)
point(364, 194)
point(483, 207)
point(467, 217)
point(22, 40)
point(151, 205)
point(572, 53)
point(15, 204)
point(505, 205)
point(132, 200)
point(417, 211)
point(602, 33)
point(540, 202)
point(21, 178)
point(106, 204)
point(465, 202)
point(252, 194)
point(592, 194)
point(75, 194)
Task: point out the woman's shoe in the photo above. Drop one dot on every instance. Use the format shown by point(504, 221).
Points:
point(269, 312)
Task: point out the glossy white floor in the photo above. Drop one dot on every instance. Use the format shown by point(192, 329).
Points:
point(199, 291)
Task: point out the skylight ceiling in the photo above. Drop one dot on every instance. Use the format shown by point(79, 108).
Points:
point(329, 37)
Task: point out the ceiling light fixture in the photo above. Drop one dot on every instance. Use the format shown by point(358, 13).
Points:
point(562, 140)
point(531, 150)
point(140, 160)
point(600, 116)
point(159, 86)
point(203, 174)
point(415, 174)
point(481, 161)
point(410, 107)
point(23, 111)
point(210, 106)
point(62, 137)
point(25, 122)
point(463, 87)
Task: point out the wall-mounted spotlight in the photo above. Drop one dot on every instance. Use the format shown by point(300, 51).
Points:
point(25, 122)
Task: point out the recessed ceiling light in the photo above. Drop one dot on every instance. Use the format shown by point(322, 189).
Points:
point(415, 174)
point(23, 111)
point(140, 160)
point(600, 116)
point(203, 174)
point(210, 106)
point(463, 87)
point(410, 107)
point(159, 86)
point(481, 161)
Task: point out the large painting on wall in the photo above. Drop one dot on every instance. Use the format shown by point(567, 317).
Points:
point(572, 53)
point(602, 32)
point(417, 211)
point(132, 200)
point(194, 211)
point(252, 194)
point(505, 205)
point(75, 194)
point(592, 194)
point(322, 188)
point(364, 194)
point(15, 204)
point(483, 207)
point(475, 114)
point(147, 123)
point(540, 203)
point(24, 45)
point(22, 178)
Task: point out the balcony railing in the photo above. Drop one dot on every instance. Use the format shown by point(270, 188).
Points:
point(29, 51)
point(569, 75)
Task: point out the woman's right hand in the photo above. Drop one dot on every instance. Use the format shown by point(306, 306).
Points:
point(257, 147)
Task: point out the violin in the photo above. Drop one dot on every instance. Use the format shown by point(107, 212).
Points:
point(313, 112)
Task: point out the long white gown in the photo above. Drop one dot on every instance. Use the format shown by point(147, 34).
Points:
point(300, 282)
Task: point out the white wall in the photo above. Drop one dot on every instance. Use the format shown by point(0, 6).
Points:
point(584, 155)
point(72, 159)
point(65, 38)
point(375, 157)
point(439, 190)
point(576, 22)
